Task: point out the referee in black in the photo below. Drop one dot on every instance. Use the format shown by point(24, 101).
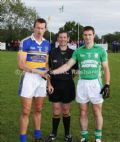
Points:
point(61, 87)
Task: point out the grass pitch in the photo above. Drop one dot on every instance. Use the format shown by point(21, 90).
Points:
point(10, 105)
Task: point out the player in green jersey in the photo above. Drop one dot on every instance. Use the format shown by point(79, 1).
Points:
point(90, 58)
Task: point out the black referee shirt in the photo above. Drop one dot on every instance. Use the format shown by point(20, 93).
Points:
point(57, 58)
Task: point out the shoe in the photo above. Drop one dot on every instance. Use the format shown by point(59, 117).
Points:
point(84, 140)
point(98, 140)
point(68, 138)
point(50, 138)
point(38, 140)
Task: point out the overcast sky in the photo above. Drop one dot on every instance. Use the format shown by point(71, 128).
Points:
point(104, 15)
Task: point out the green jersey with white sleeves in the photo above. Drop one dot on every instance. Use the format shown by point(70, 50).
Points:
point(89, 61)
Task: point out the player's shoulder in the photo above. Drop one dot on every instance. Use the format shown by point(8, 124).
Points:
point(70, 50)
point(99, 48)
point(24, 43)
point(45, 41)
point(80, 48)
point(54, 51)
point(25, 40)
point(46, 44)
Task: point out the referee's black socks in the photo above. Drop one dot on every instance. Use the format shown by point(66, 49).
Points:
point(55, 124)
point(66, 123)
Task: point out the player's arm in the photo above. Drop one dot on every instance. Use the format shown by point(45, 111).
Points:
point(105, 91)
point(22, 62)
point(49, 85)
point(75, 70)
point(24, 67)
point(47, 58)
point(106, 72)
point(64, 67)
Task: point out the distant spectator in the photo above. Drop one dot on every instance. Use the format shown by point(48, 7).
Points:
point(81, 42)
point(12, 45)
point(115, 45)
point(7, 46)
point(72, 45)
point(56, 44)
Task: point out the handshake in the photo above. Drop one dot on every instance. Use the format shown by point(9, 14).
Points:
point(105, 91)
point(50, 72)
point(46, 74)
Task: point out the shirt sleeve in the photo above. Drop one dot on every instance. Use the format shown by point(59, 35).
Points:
point(74, 55)
point(50, 58)
point(23, 46)
point(103, 55)
point(49, 47)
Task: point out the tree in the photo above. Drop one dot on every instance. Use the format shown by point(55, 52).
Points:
point(16, 17)
point(47, 36)
point(73, 29)
point(112, 37)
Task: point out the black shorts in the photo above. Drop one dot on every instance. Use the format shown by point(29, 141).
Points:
point(64, 91)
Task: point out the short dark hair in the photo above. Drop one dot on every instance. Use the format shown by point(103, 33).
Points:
point(87, 28)
point(63, 31)
point(40, 20)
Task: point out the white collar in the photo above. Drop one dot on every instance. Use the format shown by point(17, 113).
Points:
point(33, 38)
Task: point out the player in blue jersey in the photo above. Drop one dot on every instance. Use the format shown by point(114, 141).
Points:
point(33, 60)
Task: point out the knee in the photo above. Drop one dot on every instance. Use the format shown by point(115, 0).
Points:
point(56, 115)
point(66, 114)
point(66, 110)
point(56, 111)
point(25, 112)
point(97, 112)
point(83, 113)
point(38, 110)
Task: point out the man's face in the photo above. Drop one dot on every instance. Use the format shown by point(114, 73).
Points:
point(39, 29)
point(88, 36)
point(63, 39)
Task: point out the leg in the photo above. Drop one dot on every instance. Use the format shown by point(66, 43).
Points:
point(38, 104)
point(97, 110)
point(56, 108)
point(83, 116)
point(66, 117)
point(84, 120)
point(24, 119)
point(66, 121)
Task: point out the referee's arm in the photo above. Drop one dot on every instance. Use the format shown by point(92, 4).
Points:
point(64, 67)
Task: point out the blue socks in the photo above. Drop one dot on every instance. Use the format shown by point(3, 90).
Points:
point(37, 134)
point(23, 138)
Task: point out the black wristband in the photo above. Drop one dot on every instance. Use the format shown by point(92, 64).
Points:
point(107, 85)
point(50, 72)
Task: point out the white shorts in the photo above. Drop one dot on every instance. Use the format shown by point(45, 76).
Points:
point(89, 91)
point(32, 85)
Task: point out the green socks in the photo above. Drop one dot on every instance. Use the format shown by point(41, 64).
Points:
point(98, 134)
point(84, 134)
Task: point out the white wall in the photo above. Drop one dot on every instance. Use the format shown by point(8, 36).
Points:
point(2, 46)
